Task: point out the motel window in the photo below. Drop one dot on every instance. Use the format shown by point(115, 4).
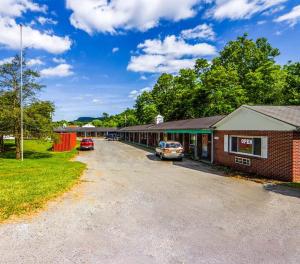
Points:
point(253, 146)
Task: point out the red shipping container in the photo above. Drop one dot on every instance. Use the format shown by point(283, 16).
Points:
point(66, 142)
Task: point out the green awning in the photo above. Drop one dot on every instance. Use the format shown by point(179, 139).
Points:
point(189, 131)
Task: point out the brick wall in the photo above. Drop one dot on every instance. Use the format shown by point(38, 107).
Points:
point(296, 157)
point(283, 161)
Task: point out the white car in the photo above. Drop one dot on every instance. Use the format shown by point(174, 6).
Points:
point(169, 150)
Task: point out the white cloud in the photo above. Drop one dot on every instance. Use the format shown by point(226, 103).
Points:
point(175, 47)
point(10, 32)
point(35, 61)
point(15, 8)
point(203, 31)
point(114, 50)
point(240, 9)
point(143, 77)
point(115, 15)
point(59, 60)
point(61, 70)
point(169, 55)
point(96, 101)
point(293, 17)
point(135, 93)
point(44, 20)
point(6, 60)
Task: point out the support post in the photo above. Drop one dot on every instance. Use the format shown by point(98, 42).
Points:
point(196, 147)
point(212, 148)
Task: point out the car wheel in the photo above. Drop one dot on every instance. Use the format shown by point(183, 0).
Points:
point(180, 159)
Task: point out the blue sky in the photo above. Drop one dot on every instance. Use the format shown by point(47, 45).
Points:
point(97, 55)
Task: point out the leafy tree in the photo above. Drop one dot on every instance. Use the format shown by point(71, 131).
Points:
point(97, 123)
point(10, 85)
point(38, 119)
point(291, 91)
point(146, 109)
point(223, 91)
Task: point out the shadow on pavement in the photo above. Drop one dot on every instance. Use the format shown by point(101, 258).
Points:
point(281, 188)
point(190, 164)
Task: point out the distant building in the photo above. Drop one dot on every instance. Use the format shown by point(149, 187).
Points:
point(88, 125)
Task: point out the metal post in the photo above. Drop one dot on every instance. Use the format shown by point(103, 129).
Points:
point(21, 91)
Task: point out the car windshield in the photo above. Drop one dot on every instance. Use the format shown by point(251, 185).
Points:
point(173, 145)
point(87, 140)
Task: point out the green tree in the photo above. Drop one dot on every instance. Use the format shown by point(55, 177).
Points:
point(10, 82)
point(291, 91)
point(38, 119)
point(223, 91)
point(146, 109)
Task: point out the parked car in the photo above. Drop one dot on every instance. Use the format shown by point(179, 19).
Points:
point(169, 150)
point(87, 143)
point(112, 137)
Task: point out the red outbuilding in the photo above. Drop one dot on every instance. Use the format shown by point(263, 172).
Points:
point(66, 142)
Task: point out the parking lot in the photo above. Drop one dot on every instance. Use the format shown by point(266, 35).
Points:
point(133, 208)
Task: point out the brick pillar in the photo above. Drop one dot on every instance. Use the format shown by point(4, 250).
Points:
point(296, 160)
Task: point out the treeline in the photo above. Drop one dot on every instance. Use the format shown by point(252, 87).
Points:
point(244, 72)
point(37, 114)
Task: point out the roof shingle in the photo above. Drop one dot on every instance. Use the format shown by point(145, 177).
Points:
point(287, 114)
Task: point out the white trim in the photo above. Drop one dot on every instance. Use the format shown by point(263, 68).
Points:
point(226, 137)
point(264, 146)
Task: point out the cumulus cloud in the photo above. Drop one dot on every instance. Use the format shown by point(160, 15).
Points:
point(292, 17)
point(114, 50)
point(61, 70)
point(15, 8)
point(135, 93)
point(6, 60)
point(115, 15)
point(44, 20)
point(35, 61)
point(203, 31)
point(169, 55)
point(59, 60)
point(32, 38)
point(240, 9)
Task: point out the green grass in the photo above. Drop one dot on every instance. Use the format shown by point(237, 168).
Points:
point(26, 186)
point(293, 184)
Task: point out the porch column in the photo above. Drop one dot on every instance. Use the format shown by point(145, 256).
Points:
point(147, 139)
point(196, 147)
point(139, 137)
point(212, 148)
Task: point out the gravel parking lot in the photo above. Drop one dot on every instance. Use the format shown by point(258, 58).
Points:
point(133, 208)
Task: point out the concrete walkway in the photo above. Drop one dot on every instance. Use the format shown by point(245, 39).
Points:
point(132, 208)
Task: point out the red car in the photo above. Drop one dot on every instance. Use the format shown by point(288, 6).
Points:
point(87, 143)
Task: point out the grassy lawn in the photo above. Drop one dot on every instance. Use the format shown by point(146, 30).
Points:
point(293, 184)
point(26, 186)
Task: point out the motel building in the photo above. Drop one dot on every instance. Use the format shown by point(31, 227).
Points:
point(261, 140)
point(264, 140)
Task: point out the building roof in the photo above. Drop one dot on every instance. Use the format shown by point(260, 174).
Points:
point(196, 123)
point(85, 129)
point(137, 128)
point(287, 114)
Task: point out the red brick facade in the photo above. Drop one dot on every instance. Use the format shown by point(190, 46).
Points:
point(283, 162)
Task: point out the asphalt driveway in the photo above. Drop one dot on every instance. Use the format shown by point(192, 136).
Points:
point(133, 208)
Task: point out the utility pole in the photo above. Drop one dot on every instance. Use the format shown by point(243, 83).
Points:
point(21, 91)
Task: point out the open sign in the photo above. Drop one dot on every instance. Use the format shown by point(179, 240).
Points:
point(245, 145)
point(247, 141)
